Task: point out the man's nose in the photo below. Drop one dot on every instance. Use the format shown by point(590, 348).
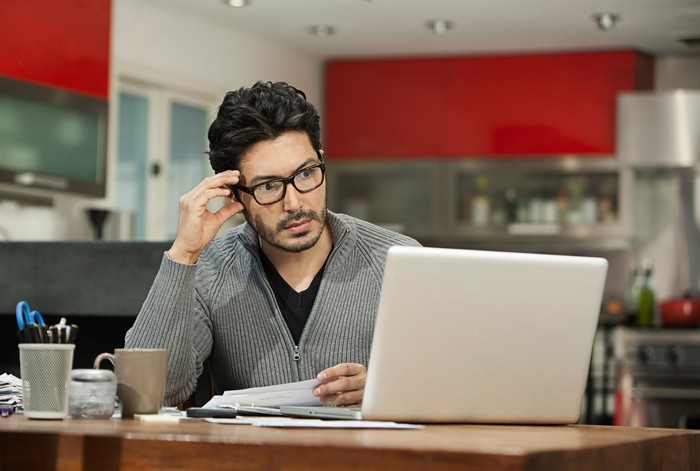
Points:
point(292, 199)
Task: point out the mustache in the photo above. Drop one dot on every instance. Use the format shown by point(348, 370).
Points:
point(301, 215)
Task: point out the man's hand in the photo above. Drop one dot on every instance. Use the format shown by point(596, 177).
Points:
point(344, 385)
point(197, 226)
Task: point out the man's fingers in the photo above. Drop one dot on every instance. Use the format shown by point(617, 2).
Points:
point(342, 369)
point(228, 211)
point(343, 384)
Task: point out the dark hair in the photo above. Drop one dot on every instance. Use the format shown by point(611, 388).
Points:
point(262, 112)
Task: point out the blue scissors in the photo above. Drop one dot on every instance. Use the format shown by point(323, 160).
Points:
point(26, 316)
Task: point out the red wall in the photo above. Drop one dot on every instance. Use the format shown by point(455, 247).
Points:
point(548, 104)
point(63, 44)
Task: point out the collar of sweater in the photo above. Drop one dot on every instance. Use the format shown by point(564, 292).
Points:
point(340, 230)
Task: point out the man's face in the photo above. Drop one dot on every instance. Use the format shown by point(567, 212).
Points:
point(295, 223)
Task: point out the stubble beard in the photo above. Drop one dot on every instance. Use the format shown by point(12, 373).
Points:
point(301, 241)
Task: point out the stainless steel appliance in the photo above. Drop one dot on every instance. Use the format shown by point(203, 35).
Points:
point(658, 377)
point(659, 138)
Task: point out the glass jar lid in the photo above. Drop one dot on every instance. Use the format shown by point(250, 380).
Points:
point(92, 376)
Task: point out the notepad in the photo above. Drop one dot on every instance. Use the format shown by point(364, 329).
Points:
point(296, 393)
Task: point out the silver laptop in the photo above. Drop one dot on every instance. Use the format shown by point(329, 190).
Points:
point(469, 336)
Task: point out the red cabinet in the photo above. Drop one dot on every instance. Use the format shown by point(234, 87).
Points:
point(384, 108)
point(548, 104)
point(61, 44)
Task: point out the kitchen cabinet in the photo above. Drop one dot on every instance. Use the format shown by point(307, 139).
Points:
point(62, 44)
point(403, 196)
point(54, 80)
point(505, 106)
point(515, 201)
point(538, 104)
point(388, 108)
point(551, 205)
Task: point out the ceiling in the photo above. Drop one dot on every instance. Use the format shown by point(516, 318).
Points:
point(365, 28)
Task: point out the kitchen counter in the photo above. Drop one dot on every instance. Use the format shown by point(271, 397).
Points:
point(193, 444)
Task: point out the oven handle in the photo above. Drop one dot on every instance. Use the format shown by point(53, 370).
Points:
point(665, 393)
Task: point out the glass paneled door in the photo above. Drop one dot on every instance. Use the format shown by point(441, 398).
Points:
point(160, 155)
point(188, 163)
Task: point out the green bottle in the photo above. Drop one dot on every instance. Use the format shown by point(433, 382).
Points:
point(646, 308)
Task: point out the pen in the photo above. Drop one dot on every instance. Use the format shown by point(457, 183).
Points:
point(32, 328)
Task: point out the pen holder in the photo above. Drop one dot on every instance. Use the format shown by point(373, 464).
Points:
point(45, 369)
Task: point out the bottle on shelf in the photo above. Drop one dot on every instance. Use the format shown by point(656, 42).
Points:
point(634, 283)
point(481, 203)
point(646, 310)
point(574, 215)
point(511, 204)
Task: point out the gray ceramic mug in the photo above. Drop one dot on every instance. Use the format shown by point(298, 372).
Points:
point(140, 378)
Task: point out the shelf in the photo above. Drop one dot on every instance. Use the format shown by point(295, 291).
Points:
point(481, 202)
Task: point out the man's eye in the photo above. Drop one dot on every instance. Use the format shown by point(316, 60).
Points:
point(269, 186)
point(308, 173)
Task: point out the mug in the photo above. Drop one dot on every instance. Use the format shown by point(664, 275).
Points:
point(141, 376)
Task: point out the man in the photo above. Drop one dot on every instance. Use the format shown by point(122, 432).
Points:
point(291, 294)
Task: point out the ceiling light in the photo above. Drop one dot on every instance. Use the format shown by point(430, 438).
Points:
point(439, 26)
point(691, 42)
point(237, 3)
point(606, 21)
point(323, 30)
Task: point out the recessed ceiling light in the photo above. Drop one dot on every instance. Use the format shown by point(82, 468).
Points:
point(237, 3)
point(439, 26)
point(322, 30)
point(691, 42)
point(606, 20)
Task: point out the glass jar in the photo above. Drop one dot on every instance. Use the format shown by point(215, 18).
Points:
point(92, 394)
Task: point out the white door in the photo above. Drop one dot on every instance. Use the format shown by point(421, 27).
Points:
point(160, 154)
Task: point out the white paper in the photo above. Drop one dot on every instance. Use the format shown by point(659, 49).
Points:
point(318, 423)
point(288, 394)
point(244, 420)
point(288, 422)
point(10, 390)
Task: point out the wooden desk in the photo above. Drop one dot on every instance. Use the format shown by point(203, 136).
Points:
point(108, 445)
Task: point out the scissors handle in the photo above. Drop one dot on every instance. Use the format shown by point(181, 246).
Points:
point(22, 313)
point(36, 318)
point(25, 316)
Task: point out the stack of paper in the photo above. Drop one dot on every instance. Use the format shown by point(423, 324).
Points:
point(10, 390)
point(288, 394)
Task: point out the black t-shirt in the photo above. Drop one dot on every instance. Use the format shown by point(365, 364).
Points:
point(295, 307)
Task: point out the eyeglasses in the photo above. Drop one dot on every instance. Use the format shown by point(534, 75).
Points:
point(271, 191)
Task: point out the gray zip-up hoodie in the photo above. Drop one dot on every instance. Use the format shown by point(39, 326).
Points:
point(224, 310)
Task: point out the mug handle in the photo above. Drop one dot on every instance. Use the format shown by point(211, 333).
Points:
point(101, 357)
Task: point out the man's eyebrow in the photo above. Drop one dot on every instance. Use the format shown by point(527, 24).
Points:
point(263, 178)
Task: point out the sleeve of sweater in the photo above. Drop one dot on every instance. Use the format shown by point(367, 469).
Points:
point(173, 317)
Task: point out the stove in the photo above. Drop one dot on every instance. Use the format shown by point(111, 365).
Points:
point(658, 377)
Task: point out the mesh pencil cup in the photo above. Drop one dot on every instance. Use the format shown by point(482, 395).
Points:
point(45, 369)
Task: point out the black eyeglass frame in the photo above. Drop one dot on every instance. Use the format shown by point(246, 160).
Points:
point(285, 181)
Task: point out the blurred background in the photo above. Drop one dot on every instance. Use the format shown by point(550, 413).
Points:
point(556, 127)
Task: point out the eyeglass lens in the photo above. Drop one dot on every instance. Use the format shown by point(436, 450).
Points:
point(305, 180)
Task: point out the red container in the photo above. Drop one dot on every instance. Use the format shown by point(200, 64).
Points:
point(681, 312)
